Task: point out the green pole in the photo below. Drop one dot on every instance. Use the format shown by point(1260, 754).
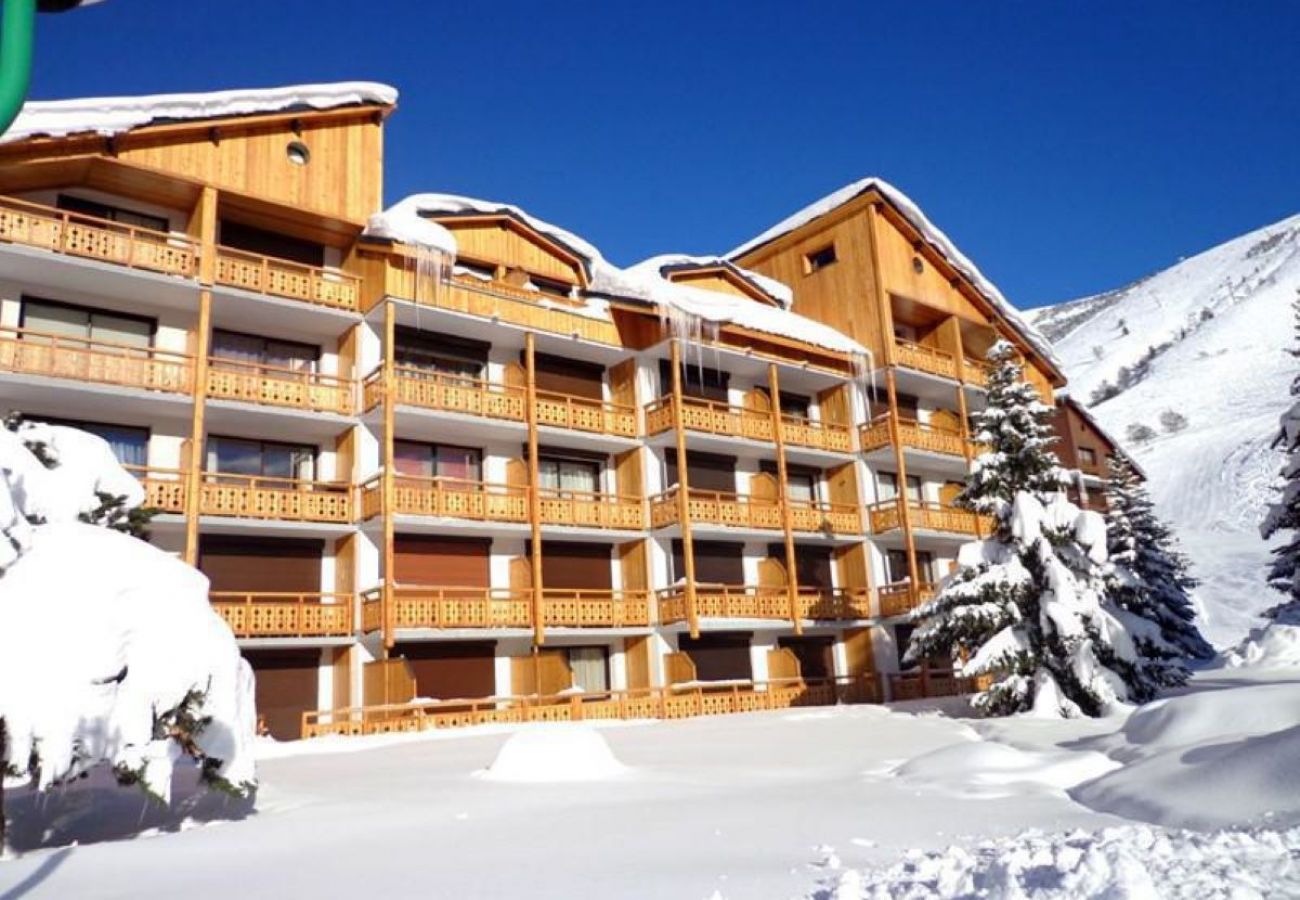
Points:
point(17, 33)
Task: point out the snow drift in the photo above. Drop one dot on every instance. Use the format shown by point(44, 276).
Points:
point(554, 753)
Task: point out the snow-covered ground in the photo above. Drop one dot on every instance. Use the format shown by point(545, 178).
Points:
point(1225, 317)
point(806, 803)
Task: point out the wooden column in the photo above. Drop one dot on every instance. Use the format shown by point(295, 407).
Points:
point(783, 494)
point(900, 462)
point(963, 412)
point(206, 213)
point(388, 483)
point(683, 490)
point(534, 478)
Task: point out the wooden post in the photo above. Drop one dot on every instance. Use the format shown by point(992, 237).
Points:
point(783, 495)
point(388, 483)
point(900, 462)
point(207, 239)
point(963, 412)
point(683, 490)
point(534, 478)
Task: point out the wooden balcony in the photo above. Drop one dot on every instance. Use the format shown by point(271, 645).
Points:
point(799, 431)
point(98, 362)
point(887, 516)
point(448, 393)
point(716, 508)
point(287, 279)
point(833, 604)
point(710, 417)
point(976, 371)
point(422, 606)
point(281, 499)
point(584, 414)
point(257, 615)
point(164, 489)
point(725, 601)
point(581, 509)
point(674, 702)
point(925, 359)
point(924, 683)
point(914, 434)
point(901, 597)
point(825, 518)
point(566, 608)
point(230, 379)
point(74, 234)
point(452, 498)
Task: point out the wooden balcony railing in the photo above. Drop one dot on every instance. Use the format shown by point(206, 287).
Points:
point(674, 702)
point(725, 601)
point(232, 379)
point(914, 434)
point(452, 498)
point(715, 508)
point(825, 517)
point(800, 431)
point(571, 608)
point(925, 359)
point(887, 515)
point(582, 509)
point(284, 499)
point(288, 279)
point(74, 234)
point(923, 683)
point(448, 393)
point(254, 615)
point(976, 371)
point(836, 603)
point(710, 417)
point(584, 414)
point(164, 489)
point(100, 362)
point(901, 597)
point(422, 606)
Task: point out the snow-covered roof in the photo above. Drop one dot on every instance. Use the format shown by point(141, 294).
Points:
point(776, 291)
point(108, 116)
point(932, 234)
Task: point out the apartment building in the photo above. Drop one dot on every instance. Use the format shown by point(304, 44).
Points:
point(444, 464)
point(1085, 450)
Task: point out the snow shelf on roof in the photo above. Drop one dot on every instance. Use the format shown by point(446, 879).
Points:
point(114, 115)
point(932, 234)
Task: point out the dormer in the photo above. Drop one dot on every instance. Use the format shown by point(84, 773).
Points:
point(504, 247)
point(721, 276)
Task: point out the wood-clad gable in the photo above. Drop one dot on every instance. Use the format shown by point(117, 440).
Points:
point(507, 242)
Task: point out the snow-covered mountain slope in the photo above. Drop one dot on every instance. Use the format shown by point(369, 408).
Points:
point(1205, 339)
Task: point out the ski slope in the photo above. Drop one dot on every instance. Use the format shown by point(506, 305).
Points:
point(1220, 323)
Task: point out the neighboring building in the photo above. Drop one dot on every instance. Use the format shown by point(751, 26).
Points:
point(1085, 449)
point(447, 451)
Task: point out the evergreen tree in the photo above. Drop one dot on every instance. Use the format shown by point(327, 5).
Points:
point(1148, 585)
point(1284, 515)
point(1025, 607)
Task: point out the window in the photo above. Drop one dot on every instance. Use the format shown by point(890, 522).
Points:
point(483, 270)
point(590, 667)
point(795, 405)
point(84, 323)
point(270, 243)
point(697, 381)
point(438, 461)
point(889, 487)
point(266, 459)
point(905, 332)
point(819, 259)
point(440, 355)
point(897, 563)
point(1088, 456)
point(112, 213)
point(547, 286)
point(801, 487)
point(260, 351)
point(130, 444)
point(568, 475)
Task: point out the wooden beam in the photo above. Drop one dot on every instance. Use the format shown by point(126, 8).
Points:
point(883, 307)
point(783, 494)
point(388, 483)
point(900, 462)
point(534, 482)
point(205, 214)
point(683, 490)
point(962, 411)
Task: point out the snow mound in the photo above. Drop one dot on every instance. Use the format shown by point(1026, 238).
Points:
point(1127, 862)
point(990, 770)
point(554, 753)
point(1274, 646)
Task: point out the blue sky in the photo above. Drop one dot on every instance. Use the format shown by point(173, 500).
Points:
point(1067, 147)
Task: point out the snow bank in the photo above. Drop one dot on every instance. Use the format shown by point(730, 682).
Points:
point(929, 231)
point(1274, 646)
point(1127, 862)
point(554, 753)
point(990, 770)
point(115, 115)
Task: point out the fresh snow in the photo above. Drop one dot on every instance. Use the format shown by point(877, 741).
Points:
point(554, 753)
point(932, 234)
point(1226, 317)
point(108, 116)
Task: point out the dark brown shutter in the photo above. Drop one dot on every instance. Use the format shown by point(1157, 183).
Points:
point(716, 562)
point(451, 670)
point(287, 686)
point(719, 656)
point(576, 566)
point(261, 564)
point(569, 376)
point(441, 561)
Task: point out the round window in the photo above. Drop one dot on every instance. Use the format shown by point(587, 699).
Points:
point(918, 265)
point(298, 153)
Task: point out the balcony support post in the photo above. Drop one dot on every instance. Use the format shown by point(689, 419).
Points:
point(783, 495)
point(388, 485)
point(205, 215)
point(683, 489)
point(900, 461)
point(534, 484)
point(964, 412)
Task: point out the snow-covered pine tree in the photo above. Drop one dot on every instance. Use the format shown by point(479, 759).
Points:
point(1284, 515)
point(1025, 606)
point(1148, 585)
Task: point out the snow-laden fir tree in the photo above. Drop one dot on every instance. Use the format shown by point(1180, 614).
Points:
point(1148, 585)
point(1284, 515)
point(1026, 606)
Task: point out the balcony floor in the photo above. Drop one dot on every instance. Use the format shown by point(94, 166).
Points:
point(74, 277)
